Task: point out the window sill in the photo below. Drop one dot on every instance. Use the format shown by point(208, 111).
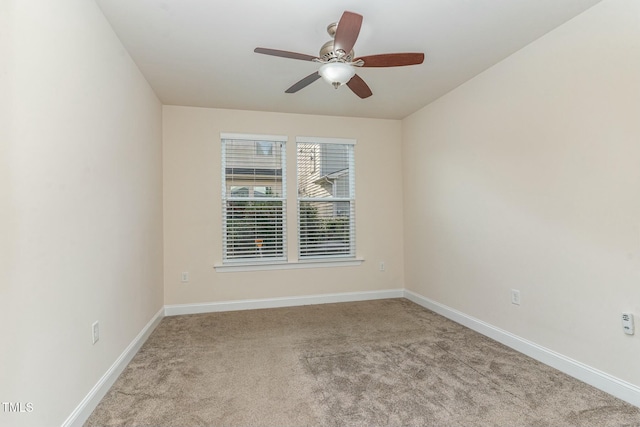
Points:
point(284, 265)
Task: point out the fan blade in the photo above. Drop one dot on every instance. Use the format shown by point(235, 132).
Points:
point(347, 32)
point(284, 54)
point(303, 83)
point(359, 87)
point(392, 59)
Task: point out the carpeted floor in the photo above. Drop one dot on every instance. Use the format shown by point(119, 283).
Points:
point(374, 363)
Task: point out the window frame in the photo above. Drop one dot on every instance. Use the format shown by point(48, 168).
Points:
point(226, 198)
point(350, 199)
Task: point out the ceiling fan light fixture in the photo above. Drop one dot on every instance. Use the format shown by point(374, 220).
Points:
point(337, 73)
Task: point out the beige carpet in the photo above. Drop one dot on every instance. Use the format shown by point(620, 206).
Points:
point(374, 363)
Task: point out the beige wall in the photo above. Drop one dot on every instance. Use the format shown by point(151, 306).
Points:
point(81, 205)
point(528, 177)
point(192, 206)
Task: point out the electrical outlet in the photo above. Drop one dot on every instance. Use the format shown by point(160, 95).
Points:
point(627, 323)
point(184, 277)
point(95, 331)
point(515, 296)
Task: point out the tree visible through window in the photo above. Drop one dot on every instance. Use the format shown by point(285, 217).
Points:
point(326, 198)
point(253, 197)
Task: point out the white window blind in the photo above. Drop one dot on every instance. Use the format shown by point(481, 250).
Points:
point(253, 197)
point(326, 197)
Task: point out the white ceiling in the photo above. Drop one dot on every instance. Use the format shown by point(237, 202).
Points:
point(200, 52)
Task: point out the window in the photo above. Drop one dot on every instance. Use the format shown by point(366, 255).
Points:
point(253, 197)
point(326, 198)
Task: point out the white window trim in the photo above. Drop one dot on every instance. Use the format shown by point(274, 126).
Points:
point(254, 137)
point(313, 139)
point(351, 199)
point(287, 265)
point(326, 262)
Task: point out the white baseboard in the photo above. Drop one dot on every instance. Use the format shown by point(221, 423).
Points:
point(91, 400)
point(601, 380)
point(252, 304)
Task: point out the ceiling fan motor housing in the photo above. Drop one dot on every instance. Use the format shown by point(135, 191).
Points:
point(327, 54)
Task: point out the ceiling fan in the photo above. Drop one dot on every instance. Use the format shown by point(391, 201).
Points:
point(338, 60)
